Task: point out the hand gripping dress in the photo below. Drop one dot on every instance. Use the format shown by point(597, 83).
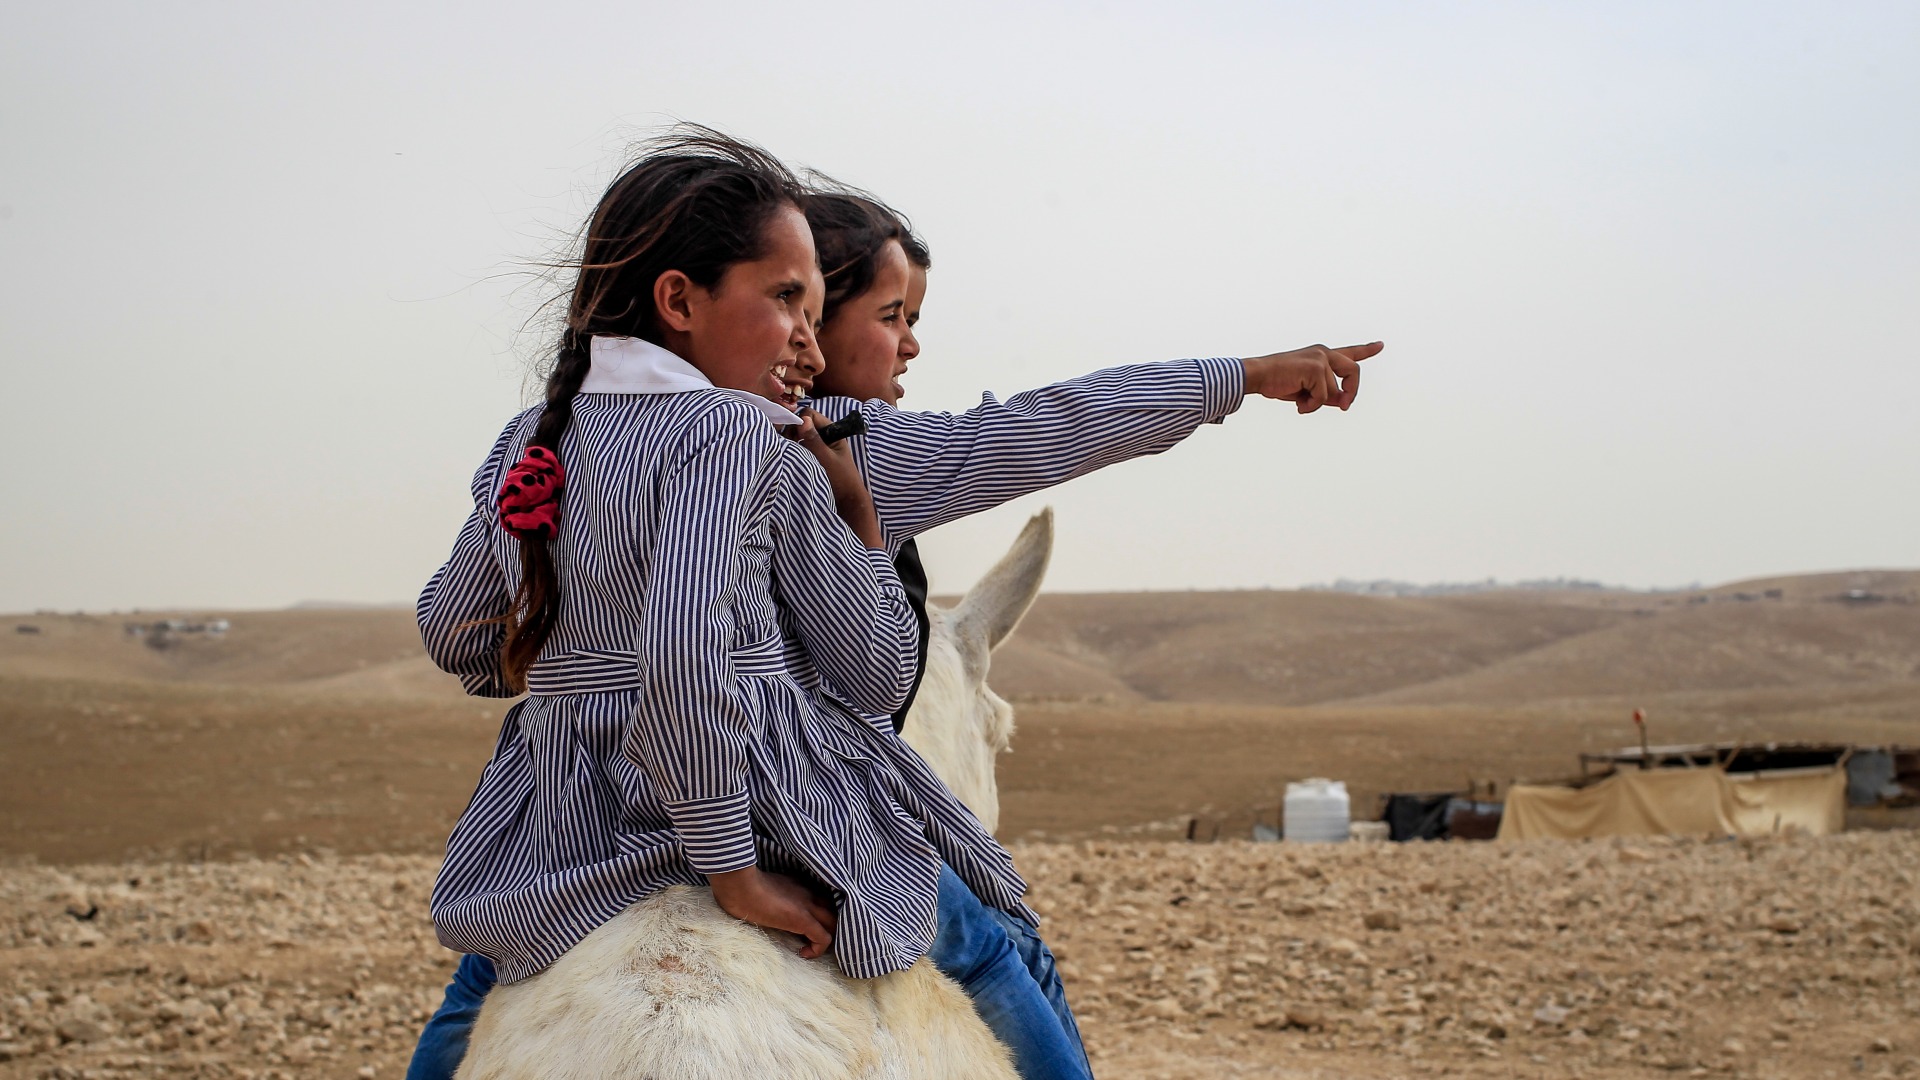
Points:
point(675, 725)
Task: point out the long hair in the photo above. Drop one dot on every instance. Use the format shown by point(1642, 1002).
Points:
point(694, 200)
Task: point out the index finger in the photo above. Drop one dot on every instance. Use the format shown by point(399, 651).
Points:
point(1359, 352)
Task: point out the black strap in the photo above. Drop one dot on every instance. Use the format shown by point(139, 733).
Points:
point(913, 578)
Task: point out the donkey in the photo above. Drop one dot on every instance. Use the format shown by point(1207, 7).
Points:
point(673, 988)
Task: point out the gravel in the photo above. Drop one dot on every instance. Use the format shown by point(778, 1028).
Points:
point(1786, 957)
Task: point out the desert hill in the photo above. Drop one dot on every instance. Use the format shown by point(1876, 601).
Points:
point(328, 728)
point(259, 648)
point(1247, 648)
point(1318, 648)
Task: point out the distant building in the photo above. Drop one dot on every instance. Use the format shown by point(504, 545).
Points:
point(163, 633)
point(1387, 587)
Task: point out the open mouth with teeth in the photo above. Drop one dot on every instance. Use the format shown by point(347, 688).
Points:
point(793, 385)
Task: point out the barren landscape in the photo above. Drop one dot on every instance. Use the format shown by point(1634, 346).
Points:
point(1780, 958)
point(217, 846)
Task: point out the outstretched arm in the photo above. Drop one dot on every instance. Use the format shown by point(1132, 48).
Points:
point(926, 469)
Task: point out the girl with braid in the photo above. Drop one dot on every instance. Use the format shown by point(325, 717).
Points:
point(672, 584)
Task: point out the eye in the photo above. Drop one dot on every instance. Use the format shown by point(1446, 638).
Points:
point(890, 317)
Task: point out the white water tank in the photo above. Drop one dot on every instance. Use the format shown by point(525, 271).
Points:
point(1317, 812)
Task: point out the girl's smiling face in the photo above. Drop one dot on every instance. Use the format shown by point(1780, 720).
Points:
point(807, 365)
point(757, 322)
point(869, 340)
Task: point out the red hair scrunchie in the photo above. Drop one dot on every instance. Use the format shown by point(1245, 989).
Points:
point(530, 497)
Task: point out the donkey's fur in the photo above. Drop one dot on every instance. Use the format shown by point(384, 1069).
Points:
point(958, 724)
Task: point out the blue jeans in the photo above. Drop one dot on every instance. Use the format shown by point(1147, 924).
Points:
point(444, 1042)
point(998, 960)
point(1009, 973)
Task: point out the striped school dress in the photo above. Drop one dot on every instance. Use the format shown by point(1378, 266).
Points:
point(926, 469)
point(674, 725)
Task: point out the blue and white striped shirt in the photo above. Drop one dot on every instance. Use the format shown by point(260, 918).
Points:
point(674, 726)
point(926, 469)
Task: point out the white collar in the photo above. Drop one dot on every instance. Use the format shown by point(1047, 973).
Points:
point(629, 365)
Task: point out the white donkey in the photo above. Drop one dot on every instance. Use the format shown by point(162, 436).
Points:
point(673, 988)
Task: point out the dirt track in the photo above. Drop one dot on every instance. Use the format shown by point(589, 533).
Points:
point(1785, 958)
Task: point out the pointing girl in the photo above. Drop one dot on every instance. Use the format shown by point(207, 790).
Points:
point(927, 469)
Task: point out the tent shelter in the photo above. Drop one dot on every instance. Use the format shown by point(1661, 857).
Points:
point(1876, 775)
point(1708, 799)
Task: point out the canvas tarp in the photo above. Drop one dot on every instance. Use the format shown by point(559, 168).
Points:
point(1681, 802)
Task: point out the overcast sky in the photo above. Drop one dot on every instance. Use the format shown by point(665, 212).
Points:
point(1647, 272)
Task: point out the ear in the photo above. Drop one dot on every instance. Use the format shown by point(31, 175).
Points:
point(673, 300)
point(994, 606)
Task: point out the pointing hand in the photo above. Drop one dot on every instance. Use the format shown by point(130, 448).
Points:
point(1310, 377)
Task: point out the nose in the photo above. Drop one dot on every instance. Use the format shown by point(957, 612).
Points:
point(909, 345)
point(809, 359)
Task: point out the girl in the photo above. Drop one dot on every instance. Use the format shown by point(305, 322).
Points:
point(926, 469)
point(673, 626)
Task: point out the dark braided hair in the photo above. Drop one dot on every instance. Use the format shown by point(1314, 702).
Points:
point(696, 201)
point(850, 230)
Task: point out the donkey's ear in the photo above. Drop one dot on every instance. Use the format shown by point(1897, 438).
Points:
point(995, 604)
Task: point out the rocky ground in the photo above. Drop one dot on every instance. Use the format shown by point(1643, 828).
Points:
point(1782, 958)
